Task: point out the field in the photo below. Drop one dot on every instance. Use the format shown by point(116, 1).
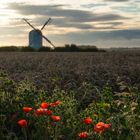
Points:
point(100, 87)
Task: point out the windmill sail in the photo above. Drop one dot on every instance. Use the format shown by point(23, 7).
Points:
point(48, 40)
point(29, 24)
point(45, 23)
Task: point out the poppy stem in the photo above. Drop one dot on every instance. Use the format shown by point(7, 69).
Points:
point(24, 133)
point(55, 134)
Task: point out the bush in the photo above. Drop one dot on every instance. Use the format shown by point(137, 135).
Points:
point(9, 49)
point(27, 49)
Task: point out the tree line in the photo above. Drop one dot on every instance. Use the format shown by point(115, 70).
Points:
point(66, 48)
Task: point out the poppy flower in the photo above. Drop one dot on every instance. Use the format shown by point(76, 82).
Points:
point(100, 124)
point(101, 127)
point(107, 126)
point(22, 123)
point(44, 105)
point(88, 121)
point(27, 109)
point(83, 135)
point(54, 104)
point(56, 118)
point(49, 112)
point(39, 111)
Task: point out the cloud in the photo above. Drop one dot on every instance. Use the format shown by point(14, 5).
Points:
point(79, 26)
point(128, 8)
point(64, 17)
point(124, 34)
point(120, 38)
point(12, 30)
point(57, 11)
point(91, 5)
point(117, 0)
point(91, 37)
point(112, 23)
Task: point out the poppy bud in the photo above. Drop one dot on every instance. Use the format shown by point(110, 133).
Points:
point(22, 123)
point(83, 135)
point(27, 109)
point(88, 121)
point(56, 118)
point(44, 105)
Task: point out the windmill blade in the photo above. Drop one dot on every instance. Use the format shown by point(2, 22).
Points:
point(48, 41)
point(45, 23)
point(29, 24)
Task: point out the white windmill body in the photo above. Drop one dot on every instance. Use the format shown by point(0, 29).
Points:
point(35, 39)
point(35, 36)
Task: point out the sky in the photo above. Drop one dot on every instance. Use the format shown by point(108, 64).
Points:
point(104, 23)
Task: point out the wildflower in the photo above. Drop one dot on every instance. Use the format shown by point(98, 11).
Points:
point(27, 109)
point(49, 112)
point(22, 123)
point(44, 110)
point(88, 120)
point(44, 105)
point(39, 111)
point(101, 127)
point(54, 104)
point(56, 118)
point(83, 135)
point(107, 126)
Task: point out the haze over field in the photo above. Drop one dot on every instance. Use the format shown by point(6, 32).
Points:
point(104, 23)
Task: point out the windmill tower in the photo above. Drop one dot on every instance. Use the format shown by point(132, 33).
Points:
point(35, 36)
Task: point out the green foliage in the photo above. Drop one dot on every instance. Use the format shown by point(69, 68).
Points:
point(121, 110)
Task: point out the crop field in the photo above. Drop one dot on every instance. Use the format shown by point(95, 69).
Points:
point(70, 96)
point(71, 69)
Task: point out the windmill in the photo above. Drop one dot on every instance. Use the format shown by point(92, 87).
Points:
point(35, 36)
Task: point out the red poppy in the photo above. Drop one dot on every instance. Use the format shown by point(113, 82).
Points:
point(44, 105)
point(49, 112)
point(88, 120)
point(39, 111)
point(107, 126)
point(100, 124)
point(54, 104)
point(22, 123)
point(83, 135)
point(56, 118)
point(101, 127)
point(27, 109)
